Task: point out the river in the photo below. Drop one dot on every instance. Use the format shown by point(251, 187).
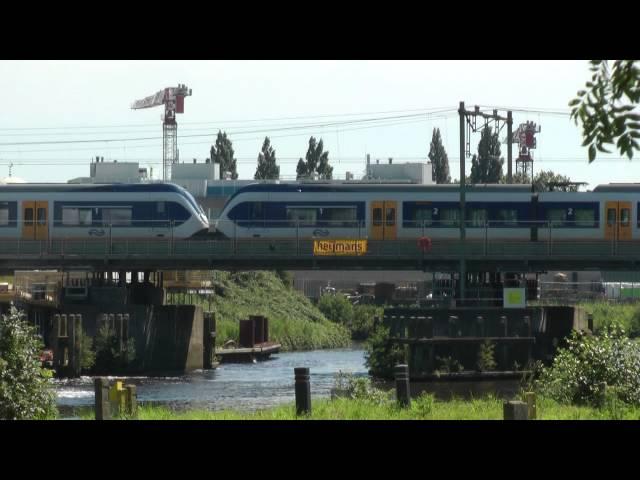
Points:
point(242, 386)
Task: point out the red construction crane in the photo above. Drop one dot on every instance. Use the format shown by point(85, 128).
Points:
point(173, 100)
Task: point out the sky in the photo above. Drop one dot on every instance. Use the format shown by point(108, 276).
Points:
point(384, 108)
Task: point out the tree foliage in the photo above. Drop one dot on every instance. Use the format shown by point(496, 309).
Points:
point(381, 355)
point(608, 107)
point(439, 158)
point(337, 308)
point(267, 168)
point(25, 391)
point(222, 153)
point(581, 370)
point(110, 358)
point(486, 166)
point(547, 181)
point(317, 160)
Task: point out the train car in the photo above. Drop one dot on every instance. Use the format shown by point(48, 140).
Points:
point(402, 211)
point(59, 211)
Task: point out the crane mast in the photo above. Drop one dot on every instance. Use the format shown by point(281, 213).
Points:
point(173, 100)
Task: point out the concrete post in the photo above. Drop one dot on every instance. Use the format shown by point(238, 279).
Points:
point(102, 404)
point(403, 393)
point(303, 391)
point(515, 410)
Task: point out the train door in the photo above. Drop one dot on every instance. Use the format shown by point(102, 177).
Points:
point(384, 220)
point(618, 223)
point(35, 224)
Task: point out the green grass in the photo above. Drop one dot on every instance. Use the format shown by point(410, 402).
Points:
point(422, 408)
point(293, 320)
point(606, 314)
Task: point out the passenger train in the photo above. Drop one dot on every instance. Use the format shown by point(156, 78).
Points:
point(404, 211)
point(58, 211)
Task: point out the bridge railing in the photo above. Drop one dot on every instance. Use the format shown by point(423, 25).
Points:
point(482, 238)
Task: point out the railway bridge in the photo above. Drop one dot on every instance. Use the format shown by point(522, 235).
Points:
point(303, 254)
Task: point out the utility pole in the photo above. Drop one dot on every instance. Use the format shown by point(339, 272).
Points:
point(463, 269)
point(509, 151)
point(470, 118)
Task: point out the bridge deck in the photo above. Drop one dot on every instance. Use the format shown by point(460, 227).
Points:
point(446, 255)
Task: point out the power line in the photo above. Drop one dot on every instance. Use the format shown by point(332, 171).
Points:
point(215, 122)
point(275, 129)
point(236, 140)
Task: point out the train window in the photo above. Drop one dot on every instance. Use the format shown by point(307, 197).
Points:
point(450, 217)
point(377, 217)
point(508, 216)
point(477, 217)
point(625, 216)
point(339, 216)
point(585, 217)
point(77, 216)
point(302, 216)
point(557, 216)
point(160, 207)
point(28, 216)
point(256, 212)
point(4, 215)
point(611, 216)
point(85, 216)
point(116, 216)
point(423, 216)
point(391, 216)
point(42, 216)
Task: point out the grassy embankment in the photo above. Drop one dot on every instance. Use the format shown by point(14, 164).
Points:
point(422, 408)
point(293, 320)
point(625, 315)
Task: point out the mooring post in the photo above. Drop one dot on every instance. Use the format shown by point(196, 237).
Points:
point(303, 391)
point(402, 385)
point(132, 400)
point(530, 398)
point(102, 405)
point(515, 410)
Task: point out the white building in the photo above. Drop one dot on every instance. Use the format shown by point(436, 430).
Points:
point(412, 172)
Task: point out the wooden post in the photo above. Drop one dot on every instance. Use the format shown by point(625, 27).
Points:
point(515, 410)
point(131, 401)
point(530, 398)
point(102, 404)
point(303, 391)
point(403, 393)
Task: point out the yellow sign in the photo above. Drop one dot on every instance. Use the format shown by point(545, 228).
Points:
point(514, 298)
point(339, 247)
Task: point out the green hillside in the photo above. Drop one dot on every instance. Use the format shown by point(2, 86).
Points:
point(293, 320)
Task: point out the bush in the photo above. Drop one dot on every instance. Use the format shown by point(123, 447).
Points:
point(337, 309)
point(381, 355)
point(87, 355)
point(109, 358)
point(363, 320)
point(286, 277)
point(486, 357)
point(360, 388)
point(25, 391)
point(582, 371)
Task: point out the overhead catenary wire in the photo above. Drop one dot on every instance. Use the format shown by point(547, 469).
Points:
point(274, 129)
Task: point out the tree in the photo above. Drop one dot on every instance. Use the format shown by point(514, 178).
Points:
point(544, 182)
point(222, 153)
point(25, 392)
point(439, 159)
point(606, 108)
point(267, 168)
point(486, 167)
point(301, 169)
point(316, 161)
